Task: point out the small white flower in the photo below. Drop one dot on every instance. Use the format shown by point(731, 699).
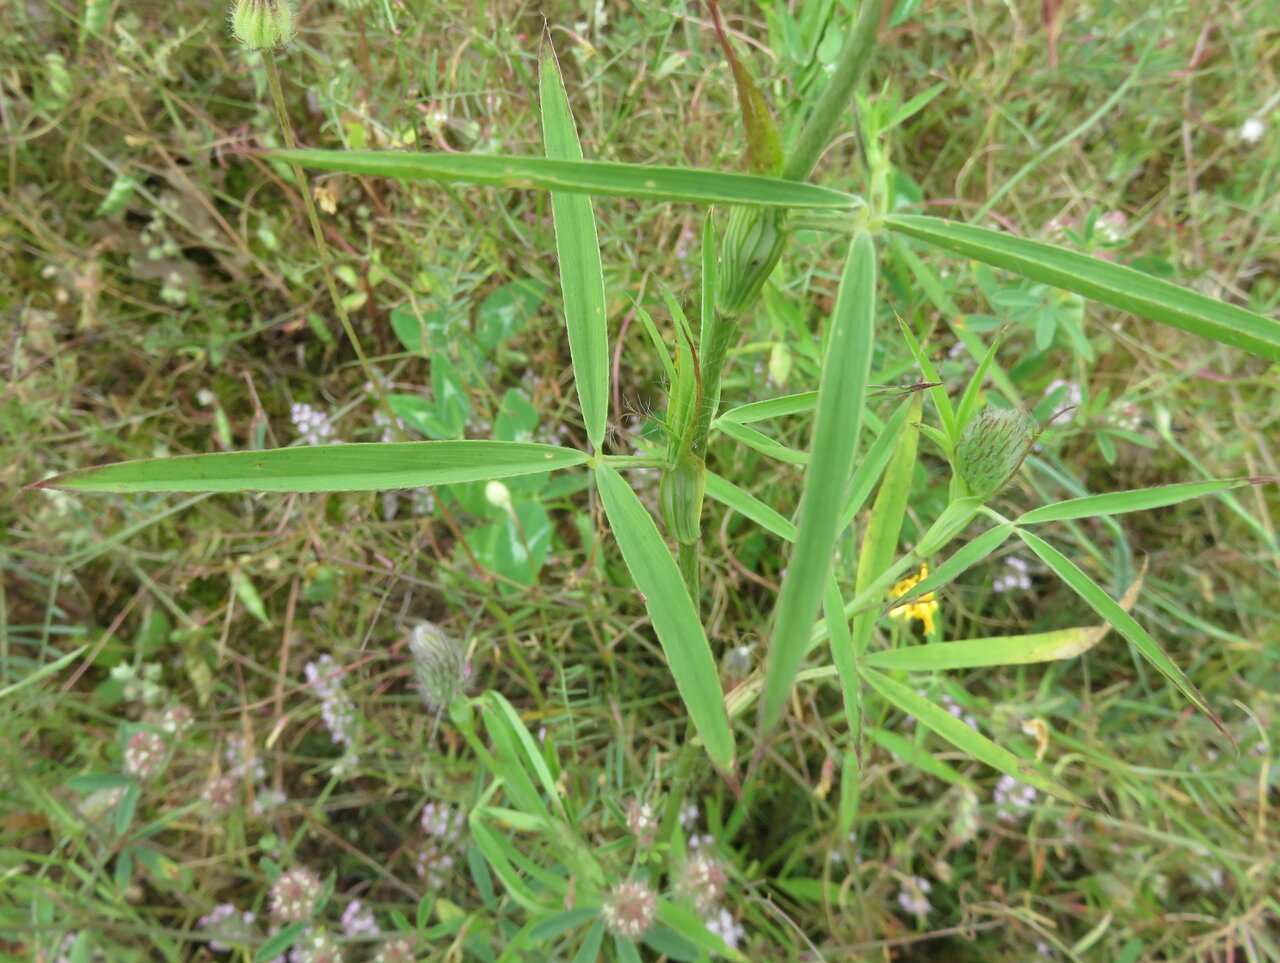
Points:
point(1252, 131)
point(630, 910)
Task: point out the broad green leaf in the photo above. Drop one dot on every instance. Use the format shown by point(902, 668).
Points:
point(589, 949)
point(741, 501)
point(1105, 281)
point(508, 310)
point(578, 248)
point(758, 441)
point(837, 424)
point(958, 733)
point(1138, 500)
point(674, 619)
point(417, 330)
point(880, 542)
point(279, 942)
point(598, 178)
point(248, 595)
point(687, 923)
point(1120, 620)
point(956, 563)
point(998, 650)
point(325, 468)
point(770, 408)
point(491, 845)
point(918, 757)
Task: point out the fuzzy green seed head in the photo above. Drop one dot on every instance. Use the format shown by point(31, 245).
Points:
point(263, 24)
point(753, 242)
point(439, 665)
point(992, 447)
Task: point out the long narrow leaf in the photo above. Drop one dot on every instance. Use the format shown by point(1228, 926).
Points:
point(327, 468)
point(759, 441)
point(674, 620)
point(743, 502)
point(598, 178)
point(578, 247)
point(1120, 620)
point(957, 562)
point(918, 757)
point(1138, 500)
point(873, 465)
point(836, 427)
point(1113, 284)
point(998, 650)
point(958, 733)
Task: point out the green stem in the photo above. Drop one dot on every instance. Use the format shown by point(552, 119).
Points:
point(714, 346)
point(322, 247)
point(823, 123)
point(687, 557)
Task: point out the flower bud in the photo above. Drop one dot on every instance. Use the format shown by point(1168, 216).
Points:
point(439, 665)
point(753, 242)
point(263, 24)
point(992, 447)
point(680, 494)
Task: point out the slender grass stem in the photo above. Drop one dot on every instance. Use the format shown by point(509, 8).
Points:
point(820, 128)
point(322, 247)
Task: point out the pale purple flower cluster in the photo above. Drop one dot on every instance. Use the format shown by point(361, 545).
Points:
point(1012, 798)
point(313, 425)
point(723, 925)
point(688, 816)
point(226, 924)
point(1017, 576)
point(1070, 396)
point(443, 826)
point(914, 897)
point(336, 708)
point(357, 920)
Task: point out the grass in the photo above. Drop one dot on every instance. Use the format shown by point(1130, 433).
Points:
point(191, 315)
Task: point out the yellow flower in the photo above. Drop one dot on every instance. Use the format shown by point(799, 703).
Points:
point(924, 608)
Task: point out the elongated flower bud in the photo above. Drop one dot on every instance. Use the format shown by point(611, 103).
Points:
point(439, 665)
point(680, 494)
point(753, 242)
point(263, 24)
point(992, 447)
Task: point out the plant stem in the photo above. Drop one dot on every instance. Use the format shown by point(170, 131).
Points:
point(822, 124)
point(714, 345)
point(687, 557)
point(322, 247)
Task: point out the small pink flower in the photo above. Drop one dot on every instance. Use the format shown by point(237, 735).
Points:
point(144, 755)
point(702, 881)
point(630, 910)
point(294, 894)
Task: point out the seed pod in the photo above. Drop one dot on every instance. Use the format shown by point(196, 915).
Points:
point(753, 242)
point(439, 664)
point(680, 494)
point(263, 24)
point(992, 447)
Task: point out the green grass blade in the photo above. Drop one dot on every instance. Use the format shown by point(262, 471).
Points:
point(1116, 503)
point(770, 408)
point(918, 757)
point(743, 502)
point(880, 542)
point(651, 182)
point(842, 655)
point(578, 247)
point(958, 733)
point(759, 441)
point(325, 468)
point(53, 668)
point(841, 391)
point(958, 561)
point(873, 465)
point(1113, 284)
point(674, 619)
point(998, 650)
point(946, 412)
point(1120, 620)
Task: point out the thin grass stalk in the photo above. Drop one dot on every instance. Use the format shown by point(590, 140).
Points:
point(322, 246)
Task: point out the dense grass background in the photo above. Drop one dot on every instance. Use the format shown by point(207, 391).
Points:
point(160, 295)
